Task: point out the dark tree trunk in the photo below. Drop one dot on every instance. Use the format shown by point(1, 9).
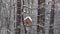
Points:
point(52, 18)
point(41, 16)
point(18, 17)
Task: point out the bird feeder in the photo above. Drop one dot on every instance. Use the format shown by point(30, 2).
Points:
point(27, 21)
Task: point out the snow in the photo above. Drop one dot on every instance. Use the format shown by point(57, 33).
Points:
point(28, 17)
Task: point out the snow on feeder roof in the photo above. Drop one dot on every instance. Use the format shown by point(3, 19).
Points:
point(28, 17)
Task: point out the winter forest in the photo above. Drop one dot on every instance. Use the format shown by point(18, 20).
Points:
point(29, 16)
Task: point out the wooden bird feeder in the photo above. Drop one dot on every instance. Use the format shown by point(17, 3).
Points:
point(27, 21)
